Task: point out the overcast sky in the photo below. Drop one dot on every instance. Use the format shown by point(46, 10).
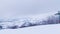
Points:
point(10, 8)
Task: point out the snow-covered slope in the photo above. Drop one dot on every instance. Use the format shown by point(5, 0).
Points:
point(44, 29)
point(28, 21)
point(44, 22)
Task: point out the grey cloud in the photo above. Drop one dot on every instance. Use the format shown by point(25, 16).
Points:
point(16, 7)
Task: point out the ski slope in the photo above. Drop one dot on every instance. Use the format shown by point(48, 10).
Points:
point(44, 29)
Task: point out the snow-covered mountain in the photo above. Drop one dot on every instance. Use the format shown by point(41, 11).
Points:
point(41, 19)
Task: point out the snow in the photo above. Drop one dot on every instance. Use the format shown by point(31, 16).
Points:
point(30, 20)
point(41, 29)
point(44, 29)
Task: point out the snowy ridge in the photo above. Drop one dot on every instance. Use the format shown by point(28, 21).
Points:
point(42, 19)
